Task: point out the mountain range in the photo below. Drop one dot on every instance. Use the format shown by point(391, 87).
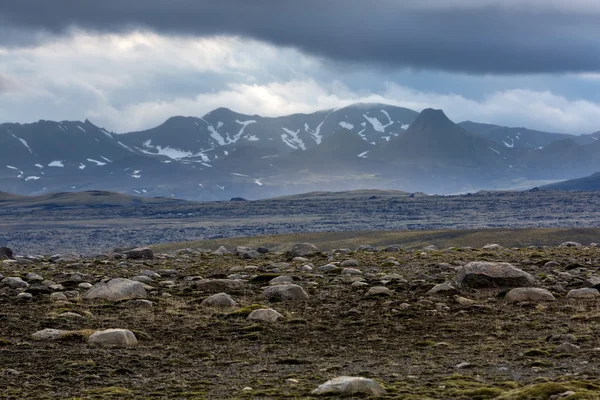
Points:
point(225, 154)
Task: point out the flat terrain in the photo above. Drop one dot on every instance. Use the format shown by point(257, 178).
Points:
point(99, 224)
point(410, 342)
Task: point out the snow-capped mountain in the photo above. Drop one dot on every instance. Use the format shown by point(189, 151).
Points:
point(226, 154)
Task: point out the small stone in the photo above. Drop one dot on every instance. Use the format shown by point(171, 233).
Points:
point(567, 348)
point(140, 303)
point(116, 290)
point(359, 284)
point(281, 280)
point(463, 365)
point(113, 337)
point(493, 246)
point(221, 251)
point(349, 386)
point(349, 263)
point(265, 315)
point(33, 277)
point(59, 296)
point(143, 279)
point(219, 300)
point(85, 285)
point(536, 295)
point(570, 244)
point(300, 259)
point(140, 253)
point(351, 271)
point(376, 291)
point(306, 268)
point(442, 288)
point(585, 293)
point(463, 301)
point(24, 296)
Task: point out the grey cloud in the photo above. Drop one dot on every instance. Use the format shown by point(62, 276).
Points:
point(502, 38)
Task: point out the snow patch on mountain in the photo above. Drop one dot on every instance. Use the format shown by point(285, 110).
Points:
point(405, 126)
point(81, 128)
point(236, 174)
point(98, 163)
point(216, 135)
point(23, 141)
point(40, 166)
point(244, 125)
point(363, 154)
point(124, 146)
point(11, 167)
point(174, 154)
point(375, 123)
point(259, 181)
point(58, 164)
point(346, 125)
point(389, 119)
point(250, 138)
point(494, 150)
point(105, 159)
point(32, 178)
point(509, 145)
point(291, 139)
point(81, 166)
point(107, 133)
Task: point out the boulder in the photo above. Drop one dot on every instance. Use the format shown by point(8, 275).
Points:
point(349, 263)
point(481, 274)
point(113, 337)
point(6, 252)
point(140, 253)
point(302, 250)
point(264, 315)
point(49, 334)
point(116, 290)
point(281, 280)
point(219, 300)
point(221, 251)
point(285, 293)
point(350, 386)
point(15, 282)
point(585, 293)
point(536, 295)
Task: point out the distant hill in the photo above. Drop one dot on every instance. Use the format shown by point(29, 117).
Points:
point(72, 200)
point(589, 183)
point(348, 194)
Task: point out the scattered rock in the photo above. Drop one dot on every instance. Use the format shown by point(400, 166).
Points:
point(265, 315)
point(33, 277)
point(442, 288)
point(59, 296)
point(116, 290)
point(366, 247)
point(350, 386)
point(49, 334)
point(285, 293)
point(303, 250)
point(567, 348)
point(351, 271)
point(15, 282)
point(140, 303)
point(219, 300)
point(281, 280)
point(24, 296)
point(140, 253)
point(349, 263)
point(377, 291)
point(431, 247)
point(570, 244)
point(481, 274)
point(493, 246)
point(518, 295)
point(113, 337)
point(6, 252)
point(585, 293)
point(221, 251)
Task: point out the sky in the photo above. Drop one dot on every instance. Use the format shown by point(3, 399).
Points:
point(130, 65)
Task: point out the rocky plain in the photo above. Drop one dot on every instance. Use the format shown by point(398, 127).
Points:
point(388, 322)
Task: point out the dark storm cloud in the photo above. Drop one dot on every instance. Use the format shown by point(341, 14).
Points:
point(496, 39)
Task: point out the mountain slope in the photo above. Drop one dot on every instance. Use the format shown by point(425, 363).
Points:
point(513, 137)
point(589, 183)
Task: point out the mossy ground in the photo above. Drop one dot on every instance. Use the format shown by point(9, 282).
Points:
point(189, 352)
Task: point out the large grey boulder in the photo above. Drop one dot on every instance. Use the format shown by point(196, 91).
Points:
point(6, 252)
point(518, 295)
point(303, 250)
point(246, 253)
point(350, 386)
point(49, 334)
point(116, 290)
point(15, 282)
point(140, 253)
point(221, 251)
point(113, 337)
point(285, 293)
point(482, 274)
point(219, 300)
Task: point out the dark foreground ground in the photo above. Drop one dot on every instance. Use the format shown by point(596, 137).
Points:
point(58, 226)
point(410, 342)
